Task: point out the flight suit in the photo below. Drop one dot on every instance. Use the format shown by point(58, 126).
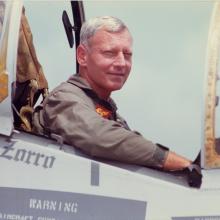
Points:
point(75, 112)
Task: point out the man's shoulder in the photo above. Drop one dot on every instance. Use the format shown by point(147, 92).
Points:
point(66, 87)
point(73, 84)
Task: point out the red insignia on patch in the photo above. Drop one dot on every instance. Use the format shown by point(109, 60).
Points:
point(105, 113)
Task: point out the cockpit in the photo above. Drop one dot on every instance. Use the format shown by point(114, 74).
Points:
point(171, 96)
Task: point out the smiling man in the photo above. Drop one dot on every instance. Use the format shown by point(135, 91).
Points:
point(82, 111)
point(105, 59)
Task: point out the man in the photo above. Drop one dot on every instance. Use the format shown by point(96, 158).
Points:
point(82, 112)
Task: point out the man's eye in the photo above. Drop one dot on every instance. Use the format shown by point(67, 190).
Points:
point(109, 53)
point(128, 55)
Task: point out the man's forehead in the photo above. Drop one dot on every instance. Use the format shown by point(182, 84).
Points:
point(102, 35)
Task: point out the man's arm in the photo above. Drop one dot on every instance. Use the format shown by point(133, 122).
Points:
point(69, 112)
point(175, 162)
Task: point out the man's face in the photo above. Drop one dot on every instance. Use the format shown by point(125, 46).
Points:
point(108, 60)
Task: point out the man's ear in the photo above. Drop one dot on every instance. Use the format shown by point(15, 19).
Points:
point(81, 55)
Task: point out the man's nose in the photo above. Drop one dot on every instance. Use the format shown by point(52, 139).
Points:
point(120, 60)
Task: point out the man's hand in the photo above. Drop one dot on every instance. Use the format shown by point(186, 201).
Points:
point(175, 162)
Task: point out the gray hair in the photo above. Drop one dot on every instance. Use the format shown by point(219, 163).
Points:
point(90, 27)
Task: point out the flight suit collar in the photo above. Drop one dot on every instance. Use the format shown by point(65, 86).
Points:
point(84, 85)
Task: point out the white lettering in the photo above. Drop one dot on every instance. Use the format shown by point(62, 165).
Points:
point(70, 207)
point(45, 218)
point(60, 206)
point(51, 205)
point(43, 204)
point(17, 217)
